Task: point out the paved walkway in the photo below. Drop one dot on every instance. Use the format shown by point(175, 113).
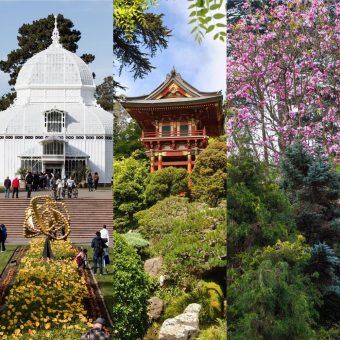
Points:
point(83, 193)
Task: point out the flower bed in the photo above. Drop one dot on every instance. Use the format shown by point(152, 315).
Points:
point(46, 294)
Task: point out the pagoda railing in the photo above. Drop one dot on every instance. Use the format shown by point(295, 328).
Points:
point(171, 134)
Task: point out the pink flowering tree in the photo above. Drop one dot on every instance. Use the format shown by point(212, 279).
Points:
point(282, 72)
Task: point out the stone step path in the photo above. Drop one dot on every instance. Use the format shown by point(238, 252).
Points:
point(87, 216)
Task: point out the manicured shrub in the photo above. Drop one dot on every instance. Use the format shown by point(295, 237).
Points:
point(199, 232)
point(209, 176)
point(165, 182)
point(130, 292)
point(129, 186)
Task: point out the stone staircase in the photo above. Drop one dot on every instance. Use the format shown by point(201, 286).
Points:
point(87, 216)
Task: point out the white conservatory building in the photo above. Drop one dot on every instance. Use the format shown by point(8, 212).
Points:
point(55, 124)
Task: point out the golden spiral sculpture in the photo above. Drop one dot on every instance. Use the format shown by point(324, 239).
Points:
point(45, 216)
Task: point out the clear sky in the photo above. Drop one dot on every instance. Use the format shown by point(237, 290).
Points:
point(203, 66)
point(92, 18)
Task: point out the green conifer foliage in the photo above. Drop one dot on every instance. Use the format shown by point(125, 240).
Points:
point(209, 177)
point(314, 188)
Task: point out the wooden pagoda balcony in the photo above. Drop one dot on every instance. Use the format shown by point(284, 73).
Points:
point(197, 134)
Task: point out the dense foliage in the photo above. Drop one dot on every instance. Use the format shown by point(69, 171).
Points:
point(314, 188)
point(258, 212)
point(130, 292)
point(209, 176)
point(205, 16)
point(165, 182)
point(129, 176)
point(126, 139)
point(283, 285)
point(199, 233)
point(273, 299)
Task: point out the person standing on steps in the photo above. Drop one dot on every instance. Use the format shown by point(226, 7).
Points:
point(98, 246)
point(29, 183)
point(90, 182)
point(3, 237)
point(7, 185)
point(15, 187)
point(96, 180)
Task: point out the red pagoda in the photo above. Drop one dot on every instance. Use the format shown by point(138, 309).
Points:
point(177, 121)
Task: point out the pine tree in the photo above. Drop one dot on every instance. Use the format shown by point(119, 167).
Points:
point(314, 188)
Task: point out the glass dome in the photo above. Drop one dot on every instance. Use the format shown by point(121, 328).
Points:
point(55, 73)
point(54, 66)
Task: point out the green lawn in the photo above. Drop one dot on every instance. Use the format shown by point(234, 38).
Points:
point(104, 281)
point(5, 256)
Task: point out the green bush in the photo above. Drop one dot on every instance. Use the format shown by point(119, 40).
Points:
point(165, 182)
point(215, 332)
point(208, 294)
point(160, 218)
point(212, 304)
point(273, 299)
point(259, 213)
point(209, 176)
point(199, 232)
point(137, 241)
point(130, 292)
point(129, 187)
point(177, 305)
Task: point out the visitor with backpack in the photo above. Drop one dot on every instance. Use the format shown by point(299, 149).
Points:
point(3, 237)
point(98, 246)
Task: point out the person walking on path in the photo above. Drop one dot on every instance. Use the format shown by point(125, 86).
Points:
point(29, 183)
point(3, 237)
point(98, 246)
point(7, 185)
point(98, 331)
point(96, 180)
point(15, 187)
point(90, 181)
point(106, 258)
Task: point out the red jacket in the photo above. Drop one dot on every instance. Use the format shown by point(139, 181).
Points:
point(15, 183)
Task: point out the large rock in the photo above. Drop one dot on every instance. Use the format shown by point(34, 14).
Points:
point(155, 308)
point(153, 266)
point(184, 326)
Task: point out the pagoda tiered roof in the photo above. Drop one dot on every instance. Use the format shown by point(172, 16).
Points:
point(177, 99)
